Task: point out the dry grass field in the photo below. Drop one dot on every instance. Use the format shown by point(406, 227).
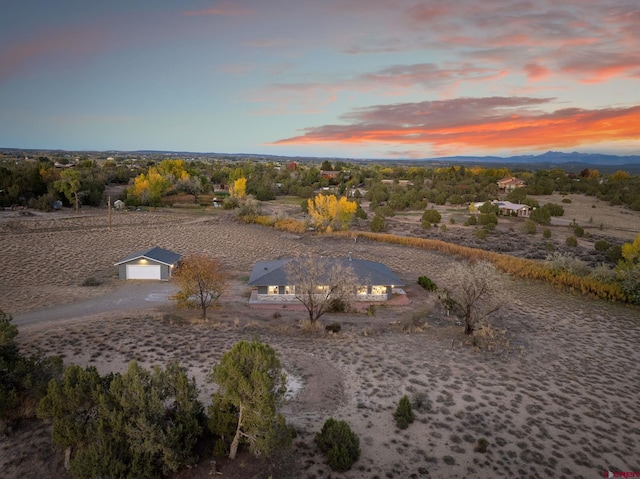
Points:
point(563, 403)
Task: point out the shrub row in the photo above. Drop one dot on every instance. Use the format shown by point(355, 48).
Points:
point(519, 267)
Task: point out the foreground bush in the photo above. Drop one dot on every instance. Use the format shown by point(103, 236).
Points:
point(23, 379)
point(141, 424)
point(427, 283)
point(404, 413)
point(339, 443)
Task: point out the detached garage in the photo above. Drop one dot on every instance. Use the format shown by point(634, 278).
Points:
point(155, 263)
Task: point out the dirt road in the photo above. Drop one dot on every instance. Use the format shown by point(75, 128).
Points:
point(131, 295)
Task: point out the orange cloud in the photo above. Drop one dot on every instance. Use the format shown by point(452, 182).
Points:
point(479, 123)
point(596, 66)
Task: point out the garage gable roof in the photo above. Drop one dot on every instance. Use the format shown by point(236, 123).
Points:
point(157, 254)
point(273, 273)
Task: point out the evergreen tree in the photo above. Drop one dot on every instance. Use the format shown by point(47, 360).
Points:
point(339, 443)
point(141, 424)
point(404, 413)
point(251, 386)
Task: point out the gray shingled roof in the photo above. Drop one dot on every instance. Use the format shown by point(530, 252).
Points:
point(273, 273)
point(156, 254)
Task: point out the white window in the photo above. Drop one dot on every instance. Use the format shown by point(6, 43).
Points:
point(289, 289)
point(363, 290)
point(378, 290)
point(273, 290)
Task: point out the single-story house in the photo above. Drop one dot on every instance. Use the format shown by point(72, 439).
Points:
point(505, 208)
point(155, 263)
point(375, 281)
point(514, 209)
point(510, 184)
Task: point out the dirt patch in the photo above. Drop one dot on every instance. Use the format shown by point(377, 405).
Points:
point(562, 404)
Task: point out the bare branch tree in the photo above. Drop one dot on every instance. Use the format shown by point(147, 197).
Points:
point(201, 281)
point(321, 282)
point(476, 294)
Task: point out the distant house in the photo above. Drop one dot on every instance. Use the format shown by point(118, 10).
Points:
point(376, 282)
point(510, 184)
point(399, 183)
point(118, 204)
point(331, 175)
point(505, 208)
point(513, 209)
point(155, 263)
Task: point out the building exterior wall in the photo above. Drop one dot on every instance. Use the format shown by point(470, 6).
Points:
point(262, 295)
point(165, 270)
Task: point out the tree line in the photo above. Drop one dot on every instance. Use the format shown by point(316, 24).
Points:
point(40, 182)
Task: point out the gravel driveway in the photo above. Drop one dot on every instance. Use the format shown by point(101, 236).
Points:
point(131, 295)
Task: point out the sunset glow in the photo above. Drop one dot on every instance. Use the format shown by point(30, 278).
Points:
point(365, 79)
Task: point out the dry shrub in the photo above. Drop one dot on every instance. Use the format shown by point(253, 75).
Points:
point(289, 225)
point(264, 220)
point(519, 267)
point(173, 319)
point(413, 324)
point(179, 199)
point(310, 326)
point(205, 200)
point(190, 206)
point(281, 328)
point(491, 339)
point(91, 281)
point(333, 328)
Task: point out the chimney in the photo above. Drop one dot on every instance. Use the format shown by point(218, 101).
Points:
point(349, 255)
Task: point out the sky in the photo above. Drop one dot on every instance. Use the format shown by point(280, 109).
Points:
point(323, 78)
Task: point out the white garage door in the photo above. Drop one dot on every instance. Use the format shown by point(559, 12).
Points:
point(135, 271)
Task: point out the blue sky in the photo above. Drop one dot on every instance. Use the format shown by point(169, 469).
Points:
point(353, 79)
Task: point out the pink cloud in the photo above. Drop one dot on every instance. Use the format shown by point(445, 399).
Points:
point(478, 123)
point(427, 75)
point(540, 32)
point(391, 81)
point(594, 66)
point(69, 46)
point(535, 71)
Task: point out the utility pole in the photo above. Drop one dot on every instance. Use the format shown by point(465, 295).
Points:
point(109, 203)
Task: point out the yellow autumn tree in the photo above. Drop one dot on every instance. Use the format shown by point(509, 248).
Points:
point(239, 188)
point(173, 170)
point(330, 213)
point(620, 175)
point(631, 252)
point(150, 187)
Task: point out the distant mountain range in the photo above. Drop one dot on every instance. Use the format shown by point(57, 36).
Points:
point(574, 161)
point(554, 157)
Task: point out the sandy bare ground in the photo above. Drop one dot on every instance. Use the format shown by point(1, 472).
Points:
point(563, 404)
